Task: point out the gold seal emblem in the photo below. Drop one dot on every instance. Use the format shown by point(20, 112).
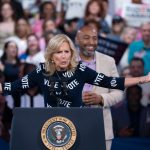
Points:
point(58, 133)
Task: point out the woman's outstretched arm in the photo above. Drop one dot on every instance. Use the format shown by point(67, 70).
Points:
point(28, 81)
point(100, 79)
point(136, 80)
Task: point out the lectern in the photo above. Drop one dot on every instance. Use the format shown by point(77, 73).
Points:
point(29, 122)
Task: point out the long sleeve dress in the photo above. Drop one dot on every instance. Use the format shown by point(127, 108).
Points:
point(63, 88)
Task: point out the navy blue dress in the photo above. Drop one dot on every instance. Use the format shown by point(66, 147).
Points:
point(63, 88)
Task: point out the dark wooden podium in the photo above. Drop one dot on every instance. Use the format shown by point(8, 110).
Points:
point(27, 124)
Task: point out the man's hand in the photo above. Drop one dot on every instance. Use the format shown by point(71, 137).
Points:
point(91, 98)
point(126, 132)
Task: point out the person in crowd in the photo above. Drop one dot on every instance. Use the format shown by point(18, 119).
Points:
point(10, 61)
point(47, 12)
point(136, 70)
point(130, 117)
point(33, 50)
point(107, 17)
point(87, 42)
point(48, 25)
point(17, 7)
point(10, 65)
point(94, 10)
point(62, 77)
point(70, 28)
point(141, 48)
point(136, 67)
point(22, 29)
point(48, 35)
point(118, 25)
point(7, 22)
point(125, 72)
point(128, 36)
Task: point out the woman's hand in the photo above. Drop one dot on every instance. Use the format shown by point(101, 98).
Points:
point(144, 79)
point(130, 81)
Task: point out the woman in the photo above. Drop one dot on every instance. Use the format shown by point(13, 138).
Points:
point(47, 12)
point(33, 49)
point(10, 65)
point(95, 11)
point(10, 62)
point(61, 78)
point(48, 26)
point(22, 30)
point(7, 22)
point(128, 36)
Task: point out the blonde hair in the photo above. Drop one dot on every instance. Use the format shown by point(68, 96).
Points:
point(53, 46)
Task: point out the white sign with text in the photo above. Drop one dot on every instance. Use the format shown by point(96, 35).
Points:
point(136, 14)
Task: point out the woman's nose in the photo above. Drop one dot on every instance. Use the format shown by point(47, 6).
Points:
point(63, 54)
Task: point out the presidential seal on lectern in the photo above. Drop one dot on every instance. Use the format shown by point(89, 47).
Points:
point(58, 133)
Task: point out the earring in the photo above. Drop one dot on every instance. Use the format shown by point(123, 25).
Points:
point(52, 61)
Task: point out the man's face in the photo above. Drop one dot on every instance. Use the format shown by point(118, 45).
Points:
point(134, 97)
point(146, 32)
point(136, 68)
point(118, 27)
point(87, 40)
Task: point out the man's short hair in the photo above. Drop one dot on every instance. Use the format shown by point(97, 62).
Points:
point(137, 59)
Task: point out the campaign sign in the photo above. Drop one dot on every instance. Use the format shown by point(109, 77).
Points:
point(112, 48)
point(136, 14)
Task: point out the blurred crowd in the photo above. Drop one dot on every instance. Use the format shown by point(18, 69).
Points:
point(26, 26)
